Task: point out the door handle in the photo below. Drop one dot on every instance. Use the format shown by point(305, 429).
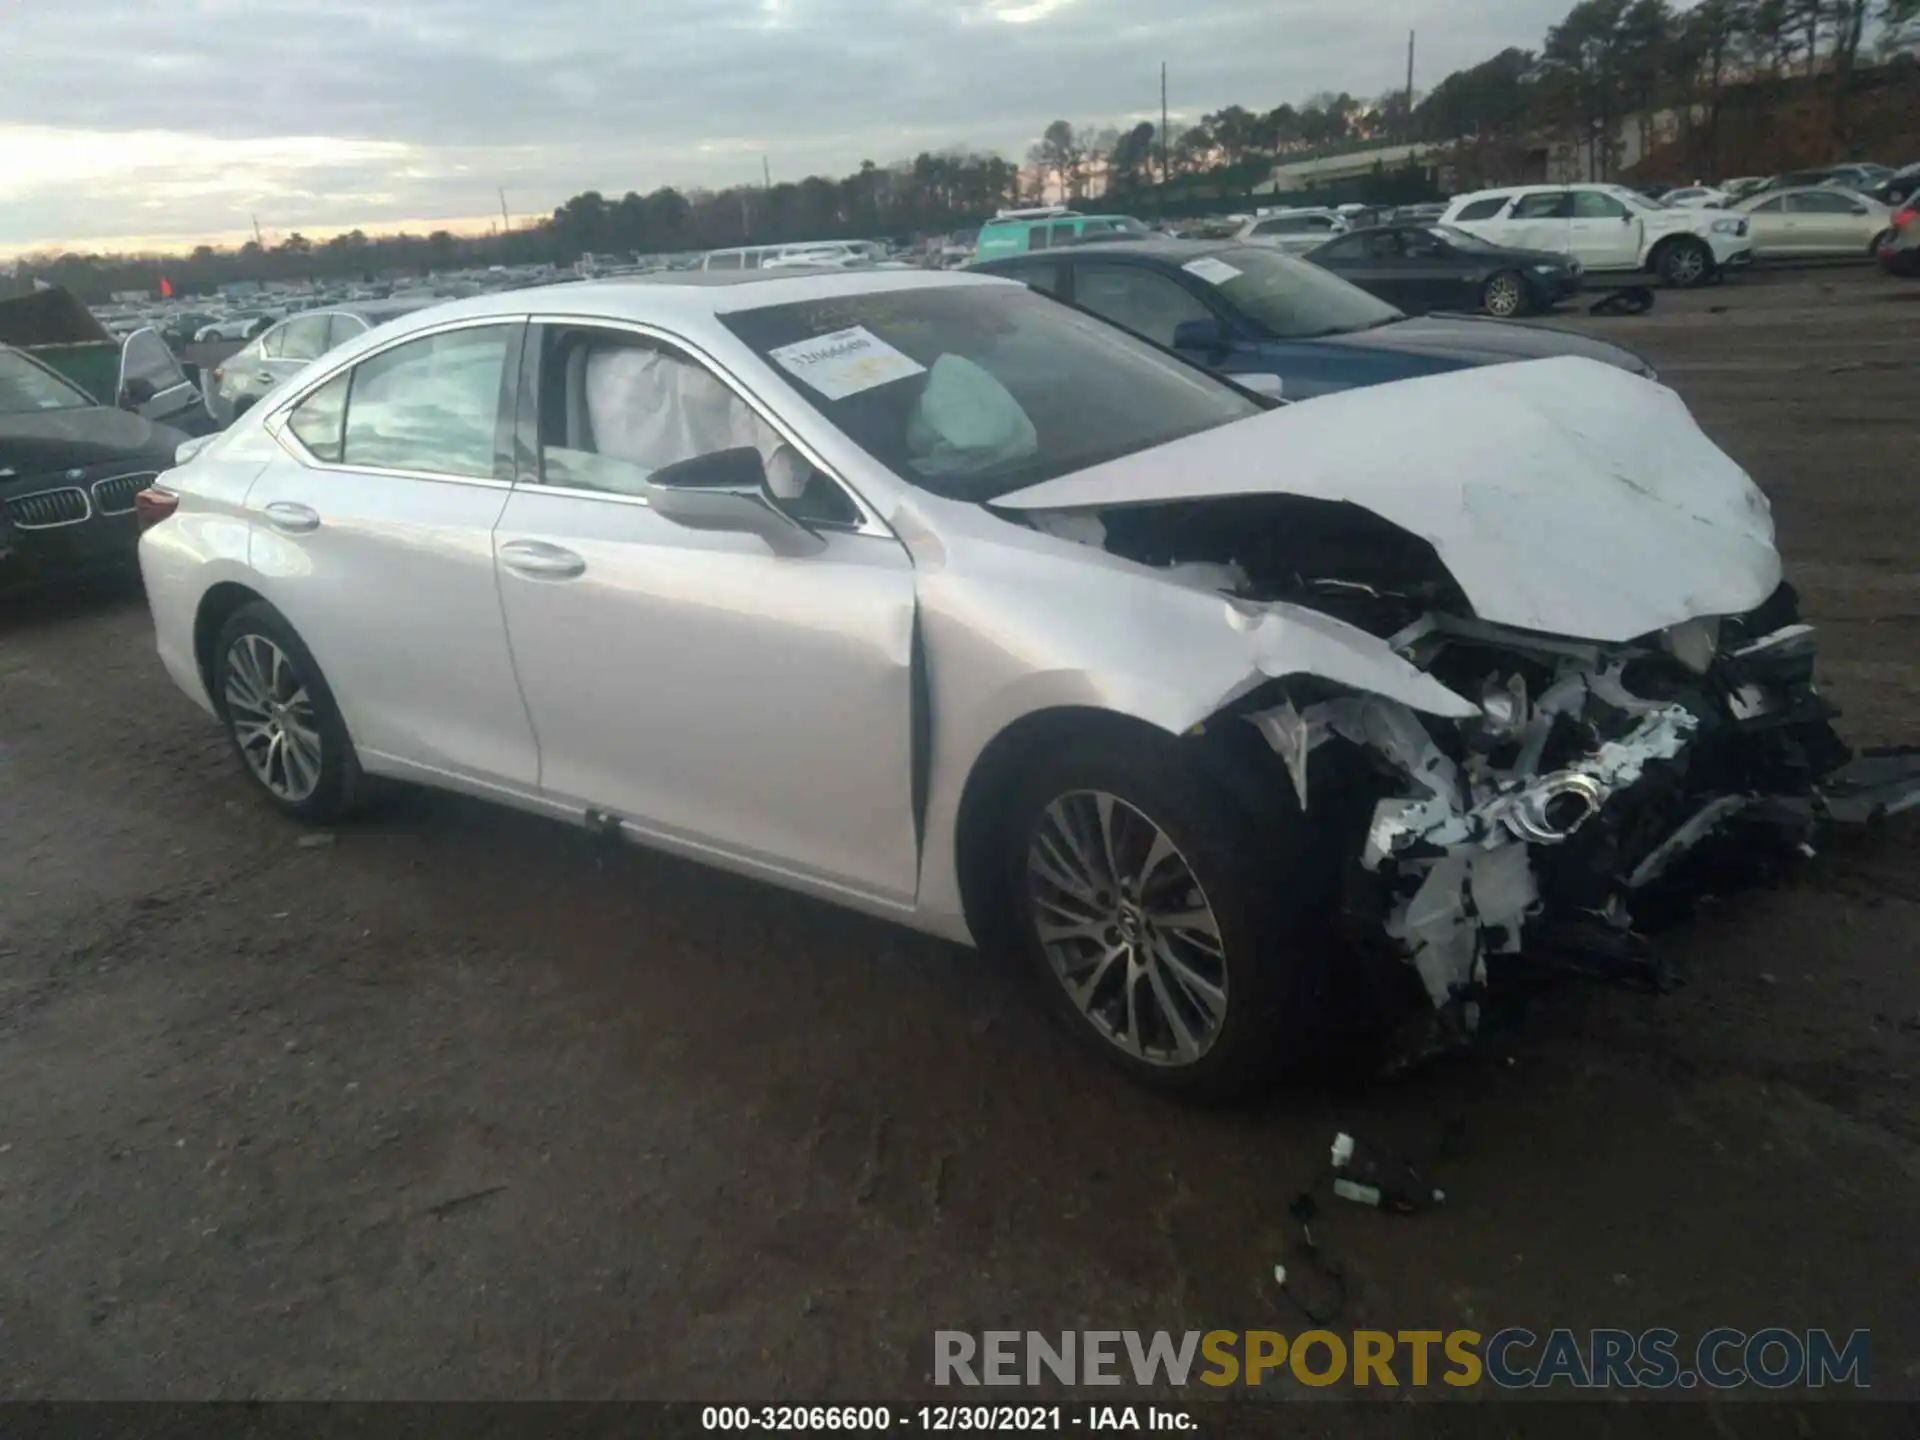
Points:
point(294, 519)
point(541, 561)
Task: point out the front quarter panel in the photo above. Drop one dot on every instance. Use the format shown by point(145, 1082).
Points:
point(1015, 623)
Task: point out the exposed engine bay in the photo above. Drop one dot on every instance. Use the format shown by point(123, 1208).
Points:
point(1599, 788)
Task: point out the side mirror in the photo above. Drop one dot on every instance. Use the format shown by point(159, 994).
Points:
point(1208, 335)
point(727, 490)
point(136, 392)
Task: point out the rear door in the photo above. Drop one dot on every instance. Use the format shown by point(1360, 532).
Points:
point(373, 535)
point(153, 383)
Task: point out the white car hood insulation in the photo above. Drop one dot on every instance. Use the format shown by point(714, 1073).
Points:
point(1563, 495)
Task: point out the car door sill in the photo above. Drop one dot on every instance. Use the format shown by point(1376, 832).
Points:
point(537, 802)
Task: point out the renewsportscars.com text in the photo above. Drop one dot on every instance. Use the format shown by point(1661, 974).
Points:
point(1515, 1358)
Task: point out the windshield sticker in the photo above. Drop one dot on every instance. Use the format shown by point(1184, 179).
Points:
point(1214, 272)
point(845, 362)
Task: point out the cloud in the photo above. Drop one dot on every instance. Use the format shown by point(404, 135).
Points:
point(199, 114)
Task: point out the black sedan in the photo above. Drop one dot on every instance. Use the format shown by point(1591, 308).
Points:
point(1436, 267)
point(69, 471)
point(1247, 312)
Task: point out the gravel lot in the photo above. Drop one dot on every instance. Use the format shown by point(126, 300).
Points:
point(460, 1103)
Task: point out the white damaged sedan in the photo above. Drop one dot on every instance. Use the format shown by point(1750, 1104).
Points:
point(933, 597)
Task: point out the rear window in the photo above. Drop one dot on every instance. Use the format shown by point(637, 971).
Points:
point(973, 392)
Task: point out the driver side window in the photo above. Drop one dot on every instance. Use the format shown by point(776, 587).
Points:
point(1137, 299)
point(614, 408)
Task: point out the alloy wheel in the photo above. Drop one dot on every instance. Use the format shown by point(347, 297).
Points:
point(1126, 928)
point(273, 719)
point(1503, 296)
point(1687, 264)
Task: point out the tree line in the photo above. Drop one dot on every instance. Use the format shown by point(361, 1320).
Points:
point(1604, 61)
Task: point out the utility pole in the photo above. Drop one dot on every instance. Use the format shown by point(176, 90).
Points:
point(505, 224)
point(766, 174)
point(256, 233)
point(1409, 119)
point(1163, 132)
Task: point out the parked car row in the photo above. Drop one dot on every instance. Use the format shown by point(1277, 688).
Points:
point(931, 596)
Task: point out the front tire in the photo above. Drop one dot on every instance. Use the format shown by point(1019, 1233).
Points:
point(1883, 238)
point(281, 717)
point(1165, 922)
point(1505, 295)
point(1685, 263)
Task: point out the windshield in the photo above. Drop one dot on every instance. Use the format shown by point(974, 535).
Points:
point(1291, 299)
point(975, 391)
point(27, 387)
point(1637, 200)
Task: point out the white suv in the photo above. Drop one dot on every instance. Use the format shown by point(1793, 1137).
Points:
point(1607, 228)
point(1294, 231)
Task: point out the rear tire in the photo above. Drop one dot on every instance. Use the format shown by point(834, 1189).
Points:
point(1505, 295)
point(281, 717)
point(1685, 263)
point(1167, 924)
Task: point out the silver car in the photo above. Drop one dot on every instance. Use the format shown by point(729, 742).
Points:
point(238, 382)
point(930, 596)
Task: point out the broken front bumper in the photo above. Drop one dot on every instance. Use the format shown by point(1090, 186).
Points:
point(1600, 787)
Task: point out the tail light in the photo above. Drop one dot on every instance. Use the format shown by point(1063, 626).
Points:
point(152, 505)
point(219, 373)
point(1903, 217)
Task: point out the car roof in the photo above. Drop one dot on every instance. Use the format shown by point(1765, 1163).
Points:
point(689, 296)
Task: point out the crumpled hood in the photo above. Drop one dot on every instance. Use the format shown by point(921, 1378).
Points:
point(1563, 495)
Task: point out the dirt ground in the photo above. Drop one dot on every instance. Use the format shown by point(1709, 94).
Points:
point(460, 1103)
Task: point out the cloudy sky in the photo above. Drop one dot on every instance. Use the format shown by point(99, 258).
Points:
point(135, 124)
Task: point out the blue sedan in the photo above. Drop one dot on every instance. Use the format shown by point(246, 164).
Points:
point(1247, 312)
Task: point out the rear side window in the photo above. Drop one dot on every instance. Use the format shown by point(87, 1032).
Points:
point(269, 343)
point(1039, 237)
point(431, 404)
point(1483, 209)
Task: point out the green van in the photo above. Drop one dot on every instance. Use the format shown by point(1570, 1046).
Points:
point(1015, 232)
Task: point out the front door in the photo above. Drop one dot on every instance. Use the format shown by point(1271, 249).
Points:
point(373, 535)
point(1538, 221)
point(1603, 233)
point(154, 384)
point(711, 694)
